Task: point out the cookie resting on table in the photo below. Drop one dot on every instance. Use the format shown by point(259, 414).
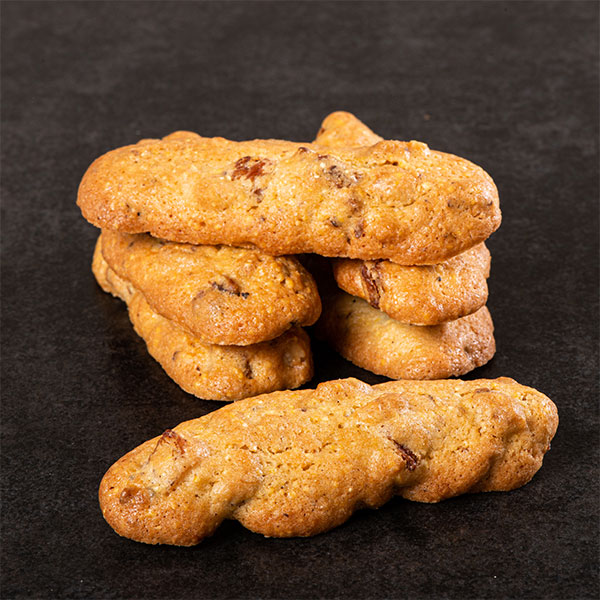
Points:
point(211, 371)
point(219, 294)
point(374, 341)
point(300, 463)
point(395, 200)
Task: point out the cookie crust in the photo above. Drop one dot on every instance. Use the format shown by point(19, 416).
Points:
point(219, 294)
point(395, 200)
point(300, 463)
point(211, 371)
point(374, 341)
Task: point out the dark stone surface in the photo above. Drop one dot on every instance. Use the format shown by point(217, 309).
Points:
point(512, 86)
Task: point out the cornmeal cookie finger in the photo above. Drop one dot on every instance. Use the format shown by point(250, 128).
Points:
point(420, 295)
point(219, 294)
point(300, 463)
point(395, 200)
point(211, 371)
point(374, 341)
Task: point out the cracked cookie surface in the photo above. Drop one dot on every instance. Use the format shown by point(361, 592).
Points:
point(395, 200)
point(219, 294)
point(300, 463)
point(210, 371)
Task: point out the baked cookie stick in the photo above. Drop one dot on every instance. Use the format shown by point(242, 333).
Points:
point(421, 295)
point(211, 371)
point(374, 341)
point(395, 200)
point(300, 463)
point(218, 294)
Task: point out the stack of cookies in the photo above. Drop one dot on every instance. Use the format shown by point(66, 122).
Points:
point(402, 321)
point(223, 322)
point(197, 235)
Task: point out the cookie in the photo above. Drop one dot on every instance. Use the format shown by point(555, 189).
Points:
point(420, 295)
point(395, 200)
point(211, 371)
point(300, 463)
point(374, 341)
point(219, 294)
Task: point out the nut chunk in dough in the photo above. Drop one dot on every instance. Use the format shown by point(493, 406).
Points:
point(297, 463)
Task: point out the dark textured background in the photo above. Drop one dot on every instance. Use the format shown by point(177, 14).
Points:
point(511, 86)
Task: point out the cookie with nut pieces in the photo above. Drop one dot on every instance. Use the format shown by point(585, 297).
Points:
point(298, 463)
point(374, 341)
point(395, 200)
point(219, 294)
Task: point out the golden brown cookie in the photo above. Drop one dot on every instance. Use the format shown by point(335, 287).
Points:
point(221, 295)
point(374, 341)
point(211, 371)
point(300, 463)
point(420, 295)
point(395, 200)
